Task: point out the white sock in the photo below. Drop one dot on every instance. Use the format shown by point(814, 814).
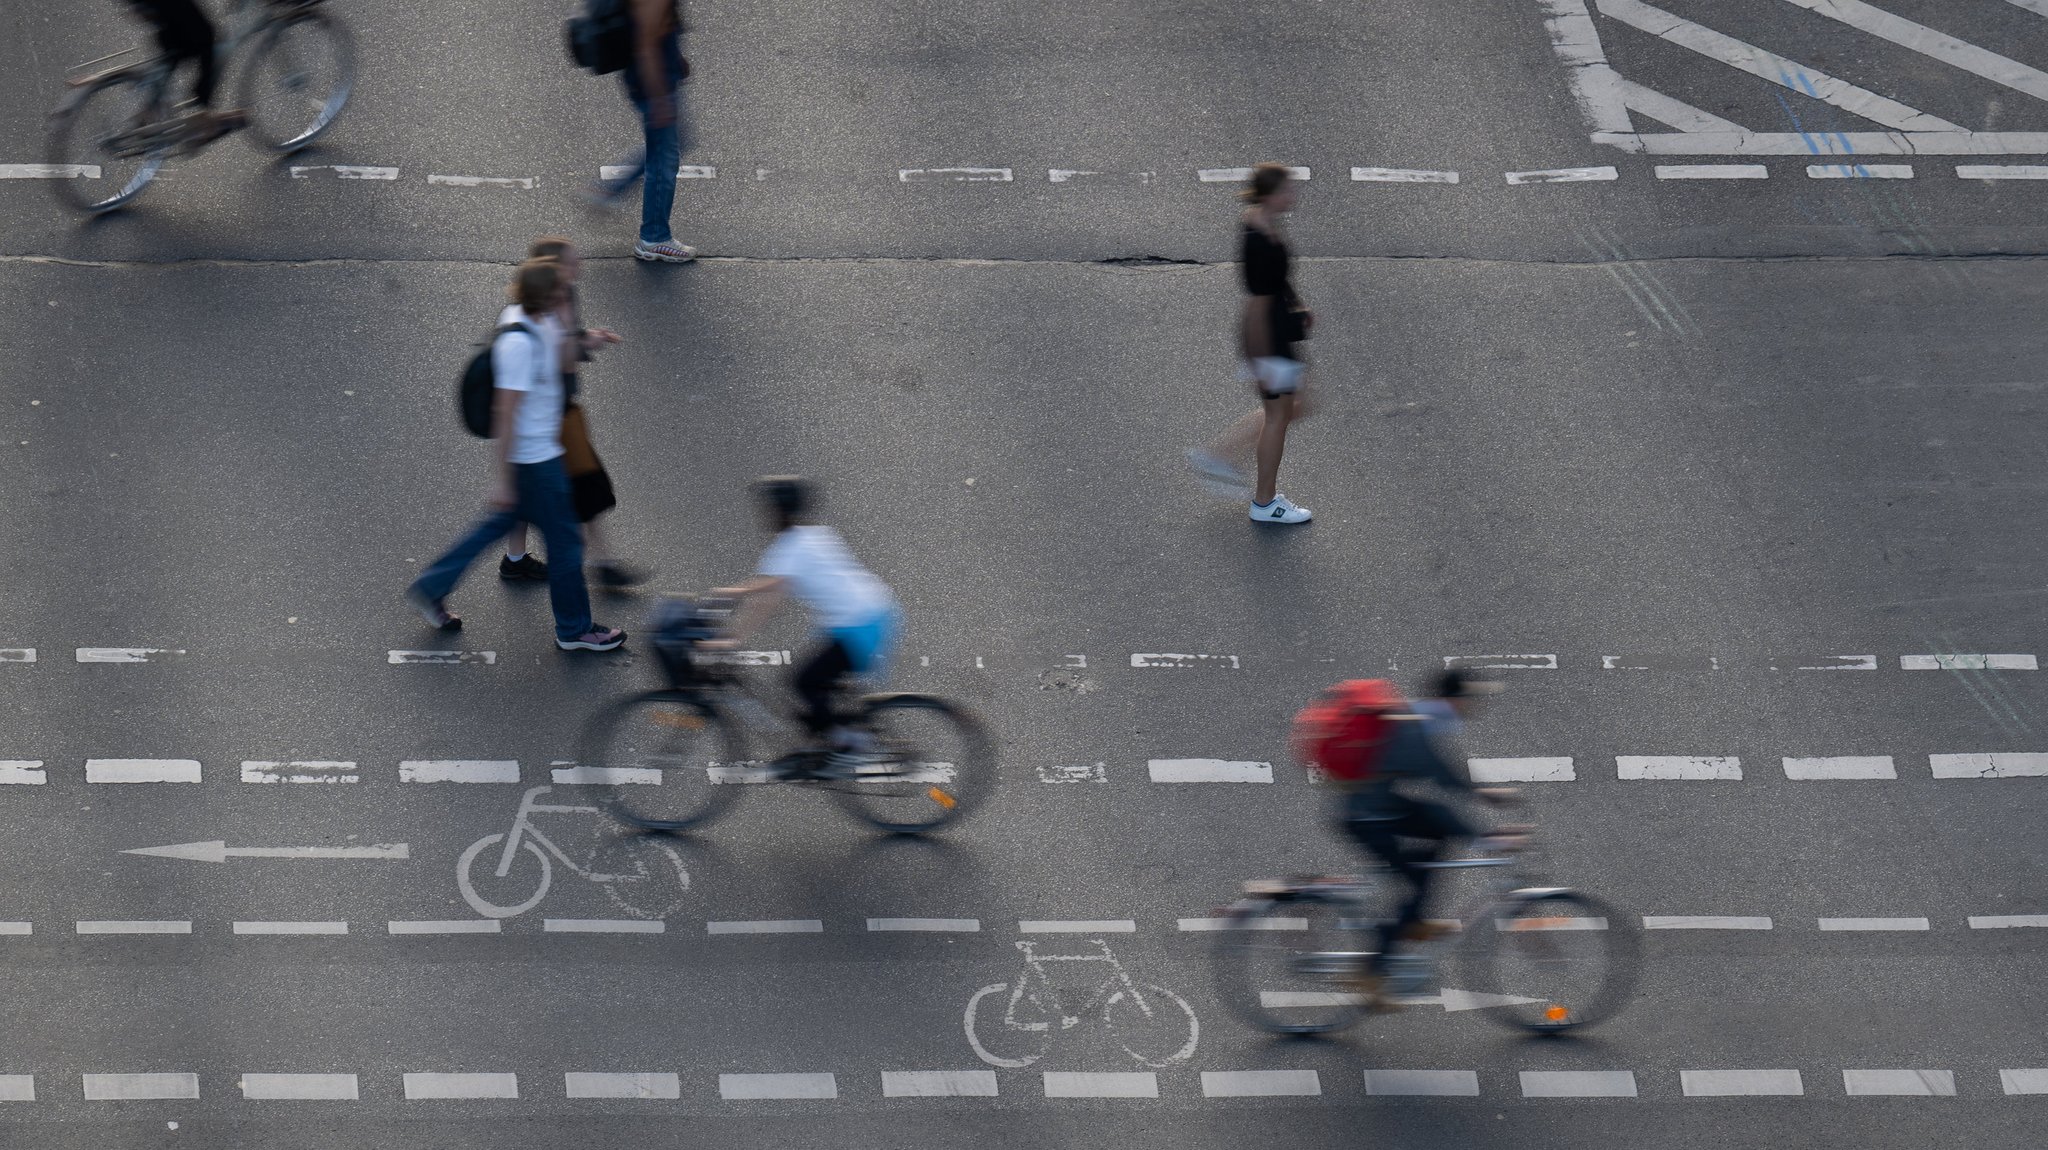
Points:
point(511, 558)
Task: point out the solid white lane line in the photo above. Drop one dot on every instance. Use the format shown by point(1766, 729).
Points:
point(1240, 175)
point(955, 175)
point(133, 926)
point(1726, 1083)
point(2001, 172)
point(1713, 172)
point(1991, 766)
point(1500, 662)
point(767, 926)
point(1537, 770)
point(1705, 922)
point(576, 774)
point(459, 771)
point(1070, 1084)
point(1260, 1083)
point(434, 1085)
point(1774, 68)
point(1563, 176)
point(17, 928)
point(1875, 924)
point(2007, 921)
point(637, 1086)
point(299, 1087)
point(938, 1084)
point(603, 926)
point(1077, 926)
point(1896, 1083)
point(441, 658)
point(122, 654)
point(2024, 1081)
point(925, 924)
point(22, 773)
point(1971, 662)
point(133, 1087)
point(345, 171)
point(17, 654)
point(750, 1086)
point(274, 926)
point(49, 171)
point(1859, 171)
point(1678, 767)
point(1255, 924)
point(522, 182)
point(1208, 771)
point(1402, 176)
point(1578, 1084)
point(22, 1088)
point(1429, 1083)
point(320, 771)
point(443, 926)
point(1174, 662)
point(141, 770)
point(1842, 767)
point(1928, 42)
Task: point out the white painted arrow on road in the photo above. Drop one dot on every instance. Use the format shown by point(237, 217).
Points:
point(1451, 1000)
point(218, 851)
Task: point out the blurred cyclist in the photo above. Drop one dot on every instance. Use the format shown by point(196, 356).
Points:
point(184, 33)
point(854, 613)
point(1401, 830)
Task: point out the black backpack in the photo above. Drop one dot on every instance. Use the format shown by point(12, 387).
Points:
point(478, 389)
point(602, 38)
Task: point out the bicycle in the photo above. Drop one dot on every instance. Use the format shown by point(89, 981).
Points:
point(646, 880)
point(1547, 959)
point(1146, 1019)
point(675, 758)
point(116, 124)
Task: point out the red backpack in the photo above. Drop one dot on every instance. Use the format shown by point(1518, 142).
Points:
point(1342, 732)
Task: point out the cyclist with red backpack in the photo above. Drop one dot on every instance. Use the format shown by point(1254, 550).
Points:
point(1378, 746)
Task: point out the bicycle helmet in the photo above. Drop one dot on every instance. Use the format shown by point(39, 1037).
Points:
point(788, 496)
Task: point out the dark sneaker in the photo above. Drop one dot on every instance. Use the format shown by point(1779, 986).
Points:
point(619, 576)
point(524, 568)
point(433, 611)
point(595, 639)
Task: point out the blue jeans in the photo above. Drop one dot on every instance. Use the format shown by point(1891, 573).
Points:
point(542, 499)
point(662, 150)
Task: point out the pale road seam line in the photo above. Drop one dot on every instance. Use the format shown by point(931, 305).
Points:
point(133, 926)
point(446, 1086)
point(444, 926)
point(1859, 171)
point(1968, 57)
point(1596, 86)
point(142, 770)
point(1773, 67)
point(1077, 926)
point(1705, 922)
point(138, 1087)
point(767, 926)
point(22, 772)
point(1875, 924)
point(939, 1084)
point(300, 1087)
point(931, 925)
point(277, 926)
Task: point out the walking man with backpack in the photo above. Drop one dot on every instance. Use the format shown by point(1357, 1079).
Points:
point(642, 40)
point(525, 377)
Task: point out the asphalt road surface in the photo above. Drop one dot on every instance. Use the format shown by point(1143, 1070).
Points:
point(1681, 361)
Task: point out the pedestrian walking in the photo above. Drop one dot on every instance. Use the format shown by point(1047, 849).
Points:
point(654, 85)
point(532, 484)
point(1271, 331)
point(590, 485)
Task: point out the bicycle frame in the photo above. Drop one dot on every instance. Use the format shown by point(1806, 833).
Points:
point(522, 827)
point(1034, 969)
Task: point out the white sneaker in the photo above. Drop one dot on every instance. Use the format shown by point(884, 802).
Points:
point(1281, 510)
point(1218, 476)
point(669, 252)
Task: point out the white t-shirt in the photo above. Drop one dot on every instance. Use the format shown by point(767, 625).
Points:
point(826, 577)
point(518, 364)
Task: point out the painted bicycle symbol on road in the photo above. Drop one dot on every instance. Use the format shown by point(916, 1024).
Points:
point(1013, 1023)
point(643, 876)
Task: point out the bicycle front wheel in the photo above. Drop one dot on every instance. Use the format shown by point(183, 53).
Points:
point(932, 766)
point(1559, 960)
point(1290, 966)
point(92, 150)
point(666, 759)
point(298, 78)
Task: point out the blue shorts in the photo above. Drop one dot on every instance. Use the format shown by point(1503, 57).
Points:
point(869, 644)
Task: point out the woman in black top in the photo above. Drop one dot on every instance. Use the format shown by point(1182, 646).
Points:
point(1270, 335)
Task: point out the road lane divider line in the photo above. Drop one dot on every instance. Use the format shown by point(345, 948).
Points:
point(277, 926)
point(2002, 172)
point(123, 654)
point(17, 928)
point(1969, 662)
point(1732, 1083)
point(2007, 921)
point(939, 1084)
point(1859, 171)
point(1208, 771)
point(139, 1087)
point(766, 926)
point(1705, 922)
point(1678, 768)
point(305, 771)
point(1077, 926)
point(49, 171)
point(1563, 176)
point(1402, 176)
point(443, 926)
point(576, 774)
point(1177, 662)
point(133, 926)
point(345, 172)
point(749, 1087)
point(17, 654)
point(2023, 1081)
point(436, 1085)
point(1874, 924)
point(583, 1084)
point(1713, 172)
point(603, 926)
point(1578, 1083)
point(300, 1087)
point(955, 175)
point(1261, 1084)
point(1101, 1084)
point(1500, 662)
point(1842, 767)
point(615, 172)
point(927, 925)
point(1989, 766)
point(1240, 175)
point(459, 771)
point(1262, 923)
point(1899, 1083)
point(142, 770)
point(22, 773)
point(1422, 1083)
point(1531, 770)
point(440, 658)
point(523, 183)
point(22, 1088)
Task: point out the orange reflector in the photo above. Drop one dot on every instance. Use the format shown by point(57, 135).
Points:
point(942, 798)
point(680, 720)
point(1556, 1013)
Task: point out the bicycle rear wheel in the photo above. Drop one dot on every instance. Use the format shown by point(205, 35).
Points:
point(298, 78)
point(92, 175)
point(1285, 964)
point(664, 758)
point(1562, 959)
point(933, 765)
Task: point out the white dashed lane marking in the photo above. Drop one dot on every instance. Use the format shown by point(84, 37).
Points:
point(2007, 921)
point(280, 927)
point(299, 1087)
point(638, 1086)
point(955, 175)
point(1705, 922)
point(683, 172)
point(2024, 1081)
point(1071, 1084)
point(1988, 766)
point(321, 771)
point(1422, 1083)
point(1240, 175)
point(134, 926)
point(1174, 662)
point(1536, 770)
point(1500, 662)
point(123, 654)
point(767, 926)
point(16, 928)
point(446, 1086)
point(1578, 1084)
point(1969, 662)
point(522, 183)
point(1260, 1083)
point(757, 1086)
point(575, 774)
point(1713, 172)
point(1077, 926)
point(1402, 176)
point(1563, 176)
point(603, 926)
point(1859, 171)
point(17, 654)
point(1212, 924)
point(1899, 1083)
point(1726, 1083)
point(444, 926)
point(1208, 771)
point(926, 925)
point(440, 658)
point(1672, 768)
point(458, 771)
point(1848, 767)
point(938, 1084)
point(49, 171)
point(1856, 924)
point(22, 1088)
point(136, 1087)
point(345, 172)
point(2001, 172)
point(22, 773)
point(142, 770)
